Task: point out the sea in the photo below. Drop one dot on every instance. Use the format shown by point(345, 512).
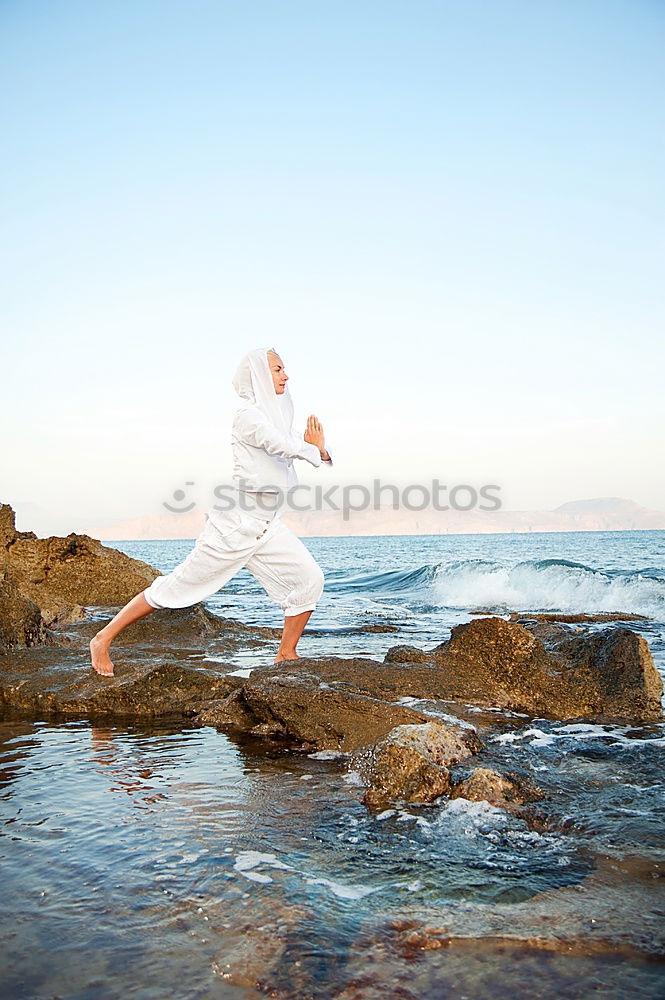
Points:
point(171, 860)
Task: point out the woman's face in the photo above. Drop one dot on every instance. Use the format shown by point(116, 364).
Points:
point(279, 376)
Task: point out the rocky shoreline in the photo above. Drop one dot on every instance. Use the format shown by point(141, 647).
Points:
point(55, 593)
point(413, 729)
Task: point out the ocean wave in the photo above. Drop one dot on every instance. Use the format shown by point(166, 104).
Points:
point(535, 585)
point(392, 581)
point(548, 585)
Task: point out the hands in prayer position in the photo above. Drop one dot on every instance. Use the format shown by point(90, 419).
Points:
point(314, 435)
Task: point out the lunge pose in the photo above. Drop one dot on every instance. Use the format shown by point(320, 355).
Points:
point(250, 532)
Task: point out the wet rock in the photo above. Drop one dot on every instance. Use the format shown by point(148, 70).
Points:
point(290, 700)
point(616, 909)
point(546, 669)
point(163, 672)
point(577, 618)
point(505, 791)
point(406, 654)
point(67, 617)
point(146, 691)
point(411, 763)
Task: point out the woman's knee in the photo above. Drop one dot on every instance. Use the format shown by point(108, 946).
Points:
point(306, 590)
point(316, 582)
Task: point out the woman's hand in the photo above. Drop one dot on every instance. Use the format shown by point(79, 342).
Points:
point(314, 434)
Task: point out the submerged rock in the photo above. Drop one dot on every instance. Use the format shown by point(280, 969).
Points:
point(505, 791)
point(546, 669)
point(411, 764)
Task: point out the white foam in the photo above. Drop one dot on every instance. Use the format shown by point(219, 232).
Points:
point(579, 731)
point(327, 755)
point(557, 586)
point(257, 877)
point(353, 778)
point(343, 891)
point(433, 711)
point(240, 672)
point(247, 861)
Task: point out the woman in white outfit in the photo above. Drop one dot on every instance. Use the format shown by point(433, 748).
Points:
point(249, 530)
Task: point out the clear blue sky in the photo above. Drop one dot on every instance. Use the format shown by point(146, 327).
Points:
point(447, 217)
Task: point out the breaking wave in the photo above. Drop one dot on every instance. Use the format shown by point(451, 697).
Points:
point(535, 585)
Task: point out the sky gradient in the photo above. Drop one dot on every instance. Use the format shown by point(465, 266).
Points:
point(446, 217)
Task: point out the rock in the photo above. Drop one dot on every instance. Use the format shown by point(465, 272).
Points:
point(577, 618)
point(379, 627)
point(545, 669)
point(57, 573)
point(21, 622)
point(148, 691)
point(484, 784)
point(411, 763)
point(406, 654)
point(8, 532)
point(70, 615)
point(162, 672)
point(62, 575)
point(290, 700)
point(7, 525)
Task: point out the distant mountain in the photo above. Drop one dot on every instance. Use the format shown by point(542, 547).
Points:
point(615, 513)
point(598, 514)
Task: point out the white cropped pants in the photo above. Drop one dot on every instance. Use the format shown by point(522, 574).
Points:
point(258, 541)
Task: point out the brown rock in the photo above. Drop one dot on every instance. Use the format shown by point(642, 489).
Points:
point(58, 573)
point(7, 525)
point(21, 622)
point(576, 618)
point(411, 763)
point(406, 654)
point(547, 670)
point(290, 700)
point(484, 784)
point(164, 672)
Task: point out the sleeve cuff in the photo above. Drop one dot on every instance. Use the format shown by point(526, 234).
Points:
point(312, 454)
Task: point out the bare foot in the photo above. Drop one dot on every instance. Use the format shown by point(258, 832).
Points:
point(286, 656)
point(99, 654)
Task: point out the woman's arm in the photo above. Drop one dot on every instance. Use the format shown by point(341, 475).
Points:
point(252, 427)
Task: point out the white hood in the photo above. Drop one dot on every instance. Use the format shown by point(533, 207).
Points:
point(253, 382)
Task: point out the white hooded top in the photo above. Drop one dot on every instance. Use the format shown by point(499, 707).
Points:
point(263, 441)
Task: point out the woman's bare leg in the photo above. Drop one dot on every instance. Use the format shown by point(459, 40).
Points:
point(137, 608)
point(293, 629)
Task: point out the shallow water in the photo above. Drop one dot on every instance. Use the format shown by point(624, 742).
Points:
point(176, 861)
point(135, 852)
